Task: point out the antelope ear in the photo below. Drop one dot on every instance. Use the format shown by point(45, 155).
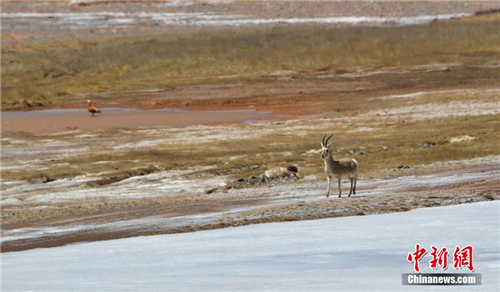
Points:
point(328, 146)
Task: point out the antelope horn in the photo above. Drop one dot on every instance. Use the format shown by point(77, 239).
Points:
point(326, 142)
point(323, 141)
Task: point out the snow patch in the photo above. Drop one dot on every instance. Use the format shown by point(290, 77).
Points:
point(464, 138)
point(425, 93)
point(85, 136)
point(11, 201)
point(85, 20)
point(360, 253)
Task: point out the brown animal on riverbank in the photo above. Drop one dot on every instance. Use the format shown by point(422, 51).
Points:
point(339, 168)
point(93, 110)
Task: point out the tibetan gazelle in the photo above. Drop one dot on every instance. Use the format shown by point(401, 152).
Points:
point(340, 168)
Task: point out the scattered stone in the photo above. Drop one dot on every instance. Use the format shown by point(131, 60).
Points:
point(272, 176)
point(385, 148)
point(211, 191)
point(435, 143)
point(47, 179)
point(491, 197)
point(403, 167)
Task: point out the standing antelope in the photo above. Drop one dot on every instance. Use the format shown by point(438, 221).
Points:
point(346, 167)
point(93, 110)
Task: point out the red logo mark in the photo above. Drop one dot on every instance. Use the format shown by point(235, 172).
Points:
point(416, 256)
point(439, 258)
point(463, 258)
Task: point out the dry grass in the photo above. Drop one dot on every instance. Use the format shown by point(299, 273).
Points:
point(42, 73)
point(404, 142)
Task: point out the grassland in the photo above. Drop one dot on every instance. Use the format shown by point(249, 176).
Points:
point(43, 73)
point(385, 146)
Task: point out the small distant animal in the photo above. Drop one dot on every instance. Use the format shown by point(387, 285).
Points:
point(93, 110)
point(72, 127)
point(282, 171)
point(340, 168)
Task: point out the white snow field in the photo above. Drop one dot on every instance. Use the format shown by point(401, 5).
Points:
point(364, 253)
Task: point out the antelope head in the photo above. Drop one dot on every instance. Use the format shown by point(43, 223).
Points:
point(325, 147)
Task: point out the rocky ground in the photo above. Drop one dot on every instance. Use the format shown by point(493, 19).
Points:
point(469, 181)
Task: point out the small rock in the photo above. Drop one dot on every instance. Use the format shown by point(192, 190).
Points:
point(264, 179)
point(240, 180)
point(403, 167)
point(429, 144)
point(385, 148)
point(211, 191)
point(490, 197)
point(47, 179)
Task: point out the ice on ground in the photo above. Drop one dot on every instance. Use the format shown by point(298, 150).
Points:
point(464, 138)
point(363, 253)
point(451, 109)
point(479, 160)
point(85, 20)
point(437, 92)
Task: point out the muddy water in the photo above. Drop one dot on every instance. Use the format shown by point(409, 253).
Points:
point(53, 121)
